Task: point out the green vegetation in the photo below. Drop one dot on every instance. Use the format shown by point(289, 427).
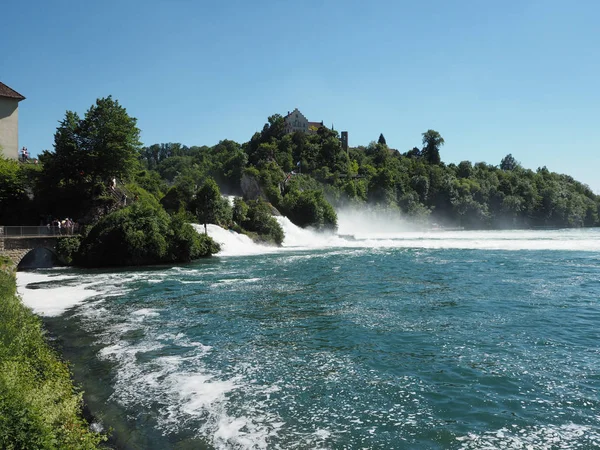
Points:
point(67, 248)
point(209, 206)
point(79, 179)
point(39, 406)
point(309, 208)
point(305, 176)
point(142, 234)
point(260, 222)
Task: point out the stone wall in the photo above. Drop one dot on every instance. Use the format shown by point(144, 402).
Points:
point(17, 248)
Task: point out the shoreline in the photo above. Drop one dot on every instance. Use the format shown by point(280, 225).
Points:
point(41, 402)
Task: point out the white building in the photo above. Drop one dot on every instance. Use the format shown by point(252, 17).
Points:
point(9, 121)
point(296, 121)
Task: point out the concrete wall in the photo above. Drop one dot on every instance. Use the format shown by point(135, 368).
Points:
point(9, 127)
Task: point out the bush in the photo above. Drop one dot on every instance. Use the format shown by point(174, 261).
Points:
point(142, 234)
point(66, 248)
point(260, 221)
point(309, 208)
point(39, 407)
point(187, 244)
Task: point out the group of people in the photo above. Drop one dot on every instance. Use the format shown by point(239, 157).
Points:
point(63, 227)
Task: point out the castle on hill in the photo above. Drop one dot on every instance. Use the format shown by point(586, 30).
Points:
point(296, 121)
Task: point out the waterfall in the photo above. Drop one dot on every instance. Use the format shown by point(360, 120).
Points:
point(385, 234)
point(232, 243)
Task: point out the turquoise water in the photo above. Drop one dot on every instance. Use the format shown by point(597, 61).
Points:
point(393, 345)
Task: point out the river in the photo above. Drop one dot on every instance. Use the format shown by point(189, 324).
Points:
point(375, 339)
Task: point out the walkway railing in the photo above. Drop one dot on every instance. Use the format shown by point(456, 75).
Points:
point(33, 231)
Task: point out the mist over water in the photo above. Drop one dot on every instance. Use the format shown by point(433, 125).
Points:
point(378, 336)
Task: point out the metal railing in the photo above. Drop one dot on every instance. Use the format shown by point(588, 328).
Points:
point(35, 231)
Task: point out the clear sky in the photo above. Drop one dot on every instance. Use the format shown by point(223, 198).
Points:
point(520, 77)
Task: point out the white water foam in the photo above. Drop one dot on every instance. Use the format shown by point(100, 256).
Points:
point(49, 294)
point(180, 386)
point(548, 437)
point(232, 243)
point(357, 235)
point(51, 301)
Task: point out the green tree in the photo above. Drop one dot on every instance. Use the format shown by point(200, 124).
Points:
point(12, 190)
point(102, 145)
point(310, 208)
point(465, 169)
point(240, 210)
point(260, 220)
point(208, 203)
point(432, 141)
point(381, 140)
point(88, 154)
point(509, 163)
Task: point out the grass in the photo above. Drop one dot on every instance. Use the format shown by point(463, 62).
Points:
point(39, 406)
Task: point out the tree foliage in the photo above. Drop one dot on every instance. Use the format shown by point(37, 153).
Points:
point(309, 208)
point(260, 220)
point(432, 141)
point(142, 234)
point(509, 163)
point(13, 191)
point(304, 175)
point(88, 154)
point(102, 145)
point(209, 206)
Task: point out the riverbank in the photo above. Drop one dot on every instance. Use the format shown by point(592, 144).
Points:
point(39, 405)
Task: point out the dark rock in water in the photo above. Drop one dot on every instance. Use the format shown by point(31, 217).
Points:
point(39, 258)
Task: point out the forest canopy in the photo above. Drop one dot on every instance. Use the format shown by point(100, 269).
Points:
point(306, 176)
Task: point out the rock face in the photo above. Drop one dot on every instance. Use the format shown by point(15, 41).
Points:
point(251, 188)
point(275, 211)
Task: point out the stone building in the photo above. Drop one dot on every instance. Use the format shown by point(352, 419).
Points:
point(9, 121)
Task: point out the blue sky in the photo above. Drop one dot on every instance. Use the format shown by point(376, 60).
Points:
point(493, 78)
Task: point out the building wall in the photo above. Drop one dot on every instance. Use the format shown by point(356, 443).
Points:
point(9, 127)
point(295, 121)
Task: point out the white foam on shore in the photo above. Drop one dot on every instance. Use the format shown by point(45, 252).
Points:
point(51, 301)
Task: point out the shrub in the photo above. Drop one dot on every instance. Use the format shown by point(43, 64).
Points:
point(66, 248)
point(186, 244)
point(142, 234)
point(260, 221)
point(309, 208)
point(39, 407)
